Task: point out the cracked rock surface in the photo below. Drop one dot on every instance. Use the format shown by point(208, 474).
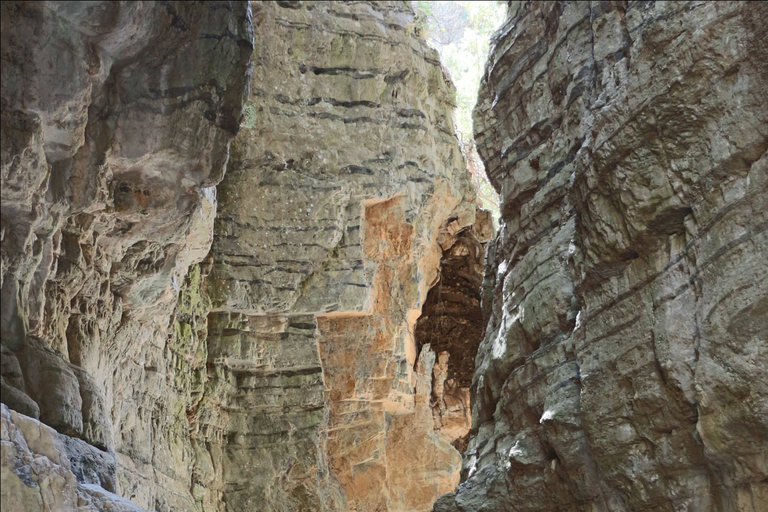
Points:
point(175, 342)
point(623, 366)
point(116, 123)
point(345, 185)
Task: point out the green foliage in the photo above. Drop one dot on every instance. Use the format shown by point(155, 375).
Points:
point(424, 7)
point(461, 32)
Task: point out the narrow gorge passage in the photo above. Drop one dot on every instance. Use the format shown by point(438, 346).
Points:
point(251, 261)
point(218, 236)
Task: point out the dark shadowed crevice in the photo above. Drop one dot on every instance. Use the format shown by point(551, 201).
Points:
point(451, 325)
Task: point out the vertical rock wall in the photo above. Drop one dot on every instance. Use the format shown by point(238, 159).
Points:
point(116, 123)
point(623, 366)
point(264, 363)
point(345, 174)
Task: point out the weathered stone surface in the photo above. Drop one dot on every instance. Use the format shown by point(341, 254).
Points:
point(45, 470)
point(623, 365)
point(281, 372)
point(623, 361)
point(116, 123)
point(344, 181)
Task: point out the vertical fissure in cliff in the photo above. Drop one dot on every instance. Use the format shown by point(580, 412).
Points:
point(451, 327)
point(460, 32)
point(451, 324)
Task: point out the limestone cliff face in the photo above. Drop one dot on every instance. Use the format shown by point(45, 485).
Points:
point(623, 365)
point(267, 362)
point(346, 184)
point(116, 123)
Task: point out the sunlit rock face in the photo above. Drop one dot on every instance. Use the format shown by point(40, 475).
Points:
point(346, 183)
point(623, 366)
point(116, 123)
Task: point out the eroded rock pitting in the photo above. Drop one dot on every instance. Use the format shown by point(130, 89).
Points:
point(116, 123)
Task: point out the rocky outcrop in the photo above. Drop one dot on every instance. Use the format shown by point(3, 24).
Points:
point(344, 181)
point(45, 470)
point(623, 365)
point(266, 361)
point(116, 123)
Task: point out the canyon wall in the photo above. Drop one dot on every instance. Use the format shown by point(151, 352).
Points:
point(116, 124)
point(300, 333)
point(623, 363)
point(345, 187)
point(172, 341)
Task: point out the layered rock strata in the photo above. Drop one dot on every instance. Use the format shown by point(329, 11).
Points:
point(116, 123)
point(267, 362)
point(623, 365)
point(344, 182)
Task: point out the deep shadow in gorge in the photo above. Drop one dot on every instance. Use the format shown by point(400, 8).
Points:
point(451, 326)
point(451, 318)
